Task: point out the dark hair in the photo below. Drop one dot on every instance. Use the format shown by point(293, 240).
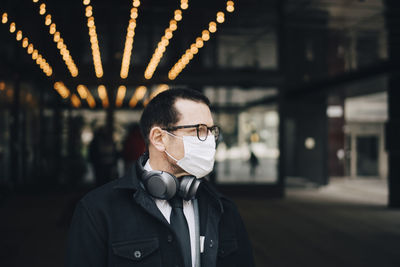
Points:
point(160, 111)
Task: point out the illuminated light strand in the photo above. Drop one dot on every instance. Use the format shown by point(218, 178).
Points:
point(198, 44)
point(36, 56)
point(98, 67)
point(4, 18)
point(160, 88)
point(230, 6)
point(75, 101)
point(130, 34)
point(137, 96)
point(120, 96)
point(84, 93)
point(184, 4)
point(162, 45)
point(102, 92)
point(42, 9)
point(2, 85)
point(62, 47)
point(62, 90)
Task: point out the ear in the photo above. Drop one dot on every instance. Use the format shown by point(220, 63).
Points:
point(156, 138)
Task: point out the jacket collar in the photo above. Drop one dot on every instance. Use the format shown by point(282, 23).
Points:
point(131, 181)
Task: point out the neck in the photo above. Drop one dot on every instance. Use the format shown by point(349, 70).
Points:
point(159, 161)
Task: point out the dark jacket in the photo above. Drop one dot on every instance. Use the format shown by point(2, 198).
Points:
point(119, 224)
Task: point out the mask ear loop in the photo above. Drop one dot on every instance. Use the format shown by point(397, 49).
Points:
point(171, 134)
point(166, 152)
point(169, 155)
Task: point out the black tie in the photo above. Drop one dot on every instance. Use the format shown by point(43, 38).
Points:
point(179, 224)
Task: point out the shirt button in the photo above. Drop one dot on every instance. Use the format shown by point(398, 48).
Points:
point(170, 238)
point(137, 254)
point(211, 243)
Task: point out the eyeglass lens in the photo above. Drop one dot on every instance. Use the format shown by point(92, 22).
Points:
point(202, 132)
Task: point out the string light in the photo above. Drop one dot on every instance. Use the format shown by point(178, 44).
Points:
point(12, 27)
point(62, 90)
point(184, 4)
point(199, 43)
point(84, 93)
point(98, 67)
point(2, 85)
point(19, 35)
point(52, 29)
point(220, 17)
point(164, 42)
point(47, 20)
point(212, 27)
point(136, 3)
point(130, 34)
point(56, 37)
point(88, 11)
point(178, 15)
point(42, 9)
point(103, 95)
point(75, 101)
point(230, 6)
point(4, 18)
point(137, 96)
point(62, 47)
point(25, 42)
point(120, 96)
point(36, 56)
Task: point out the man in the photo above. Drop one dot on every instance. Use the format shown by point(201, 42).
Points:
point(141, 218)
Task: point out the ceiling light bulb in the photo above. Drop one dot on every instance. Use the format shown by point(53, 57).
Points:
point(184, 5)
point(178, 15)
point(173, 27)
point(205, 35)
point(168, 33)
point(30, 49)
point(199, 42)
point(230, 6)
point(19, 36)
point(52, 28)
point(86, 2)
point(88, 11)
point(42, 10)
point(212, 27)
point(25, 42)
point(194, 49)
point(35, 54)
point(136, 3)
point(48, 20)
point(12, 27)
point(4, 18)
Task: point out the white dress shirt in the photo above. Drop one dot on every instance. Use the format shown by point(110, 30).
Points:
point(188, 210)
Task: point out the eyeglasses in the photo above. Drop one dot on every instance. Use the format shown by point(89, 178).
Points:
point(202, 130)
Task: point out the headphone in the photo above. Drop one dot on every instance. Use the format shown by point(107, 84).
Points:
point(163, 185)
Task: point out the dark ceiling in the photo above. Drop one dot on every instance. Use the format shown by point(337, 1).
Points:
point(251, 17)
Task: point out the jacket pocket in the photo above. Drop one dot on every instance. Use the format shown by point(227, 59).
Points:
point(227, 247)
point(143, 252)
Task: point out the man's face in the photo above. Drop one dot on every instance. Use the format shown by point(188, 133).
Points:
point(191, 113)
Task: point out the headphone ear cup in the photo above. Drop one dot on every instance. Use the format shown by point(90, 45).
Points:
point(160, 184)
point(188, 186)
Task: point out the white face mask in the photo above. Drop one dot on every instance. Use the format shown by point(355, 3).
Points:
point(199, 155)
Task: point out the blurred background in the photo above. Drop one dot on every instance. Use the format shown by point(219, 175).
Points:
point(305, 93)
